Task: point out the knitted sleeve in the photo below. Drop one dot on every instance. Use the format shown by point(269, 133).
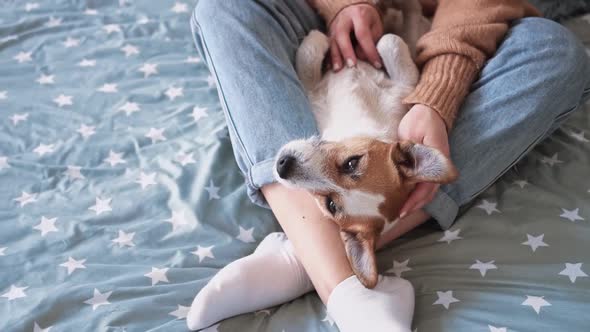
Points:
point(464, 34)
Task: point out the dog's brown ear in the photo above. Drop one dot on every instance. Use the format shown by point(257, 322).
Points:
point(421, 163)
point(360, 249)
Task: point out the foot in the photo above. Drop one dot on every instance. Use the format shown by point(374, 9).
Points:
point(388, 307)
point(270, 276)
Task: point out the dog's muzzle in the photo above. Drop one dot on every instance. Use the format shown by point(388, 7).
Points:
point(285, 166)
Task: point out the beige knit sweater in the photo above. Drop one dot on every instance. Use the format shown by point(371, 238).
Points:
point(465, 33)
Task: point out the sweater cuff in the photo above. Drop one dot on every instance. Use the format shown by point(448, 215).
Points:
point(330, 8)
point(444, 83)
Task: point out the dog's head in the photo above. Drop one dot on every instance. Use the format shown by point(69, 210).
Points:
point(361, 184)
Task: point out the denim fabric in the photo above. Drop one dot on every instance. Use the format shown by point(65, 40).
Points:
point(538, 76)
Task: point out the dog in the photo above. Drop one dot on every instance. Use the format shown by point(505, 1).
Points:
point(357, 170)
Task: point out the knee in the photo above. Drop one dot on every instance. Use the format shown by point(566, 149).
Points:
point(554, 48)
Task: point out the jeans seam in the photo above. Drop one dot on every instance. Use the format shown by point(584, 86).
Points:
point(230, 120)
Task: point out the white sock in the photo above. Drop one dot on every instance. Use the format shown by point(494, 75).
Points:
point(388, 307)
point(270, 276)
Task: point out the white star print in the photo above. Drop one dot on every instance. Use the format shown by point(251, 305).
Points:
point(99, 299)
point(573, 271)
point(115, 158)
point(15, 293)
point(145, 180)
point(110, 28)
point(185, 159)
point(483, 267)
point(46, 79)
point(157, 275)
point(63, 100)
point(46, 225)
point(130, 50)
point(536, 302)
point(129, 108)
point(400, 267)
point(180, 312)
point(174, 92)
point(4, 162)
point(177, 220)
point(497, 329)
point(203, 252)
point(71, 42)
point(101, 205)
point(445, 299)
point(31, 5)
point(124, 239)
point(2, 251)
point(73, 172)
point(87, 63)
point(26, 198)
point(143, 20)
point(179, 7)
point(86, 131)
point(16, 118)
point(212, 190)
point(579, 136)
point(3, 94)
point(108, 88)
point(22, 57)
point(37, 328)
point(156, 134)
point(521, 183)
point(572, 215)
point(73, 264)
point(488, 207)
point(148, 68)
point(199, 113)
point(53, 22)
point(450, 236)
point(211, 81)
point(192, 59)
point(535, 242)
point(89, 11)
point(551, 161)
point(44, 149)
point(328, 319)
point(246, 235)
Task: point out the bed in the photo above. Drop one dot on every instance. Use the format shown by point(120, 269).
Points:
point(120, 198)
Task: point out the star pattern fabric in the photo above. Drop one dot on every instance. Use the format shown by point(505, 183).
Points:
point(121, 197)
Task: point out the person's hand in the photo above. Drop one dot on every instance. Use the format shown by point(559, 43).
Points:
point(364, 23)
point(423, 125)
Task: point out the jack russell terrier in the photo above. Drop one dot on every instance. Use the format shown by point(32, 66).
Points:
point(358, 171)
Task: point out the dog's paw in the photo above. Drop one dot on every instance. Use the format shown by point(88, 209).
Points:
point(317, 41)
point(389, 45)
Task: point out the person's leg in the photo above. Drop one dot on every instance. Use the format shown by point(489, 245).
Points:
point(538, 76)
point(250, 47)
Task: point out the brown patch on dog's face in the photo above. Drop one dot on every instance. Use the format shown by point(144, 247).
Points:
point(363, 165)
point(361, 184)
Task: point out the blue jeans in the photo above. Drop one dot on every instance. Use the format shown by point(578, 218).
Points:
point(539, 75)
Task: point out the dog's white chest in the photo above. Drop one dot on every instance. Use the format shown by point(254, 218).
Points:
point(358, 102)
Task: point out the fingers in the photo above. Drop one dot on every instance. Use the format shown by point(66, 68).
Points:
point(335, 56)
point(344, 43)
point(364, 37)
point(420, 193)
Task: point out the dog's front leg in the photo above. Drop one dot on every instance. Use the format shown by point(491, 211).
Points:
point(309, 58)
point(397, 60)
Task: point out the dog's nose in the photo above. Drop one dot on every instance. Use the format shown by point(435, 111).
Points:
point(285, 165)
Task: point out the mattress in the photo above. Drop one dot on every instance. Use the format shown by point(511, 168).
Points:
point(120, 198)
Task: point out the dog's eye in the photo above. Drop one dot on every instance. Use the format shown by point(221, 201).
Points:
point(330, 205)
point(350, 165)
